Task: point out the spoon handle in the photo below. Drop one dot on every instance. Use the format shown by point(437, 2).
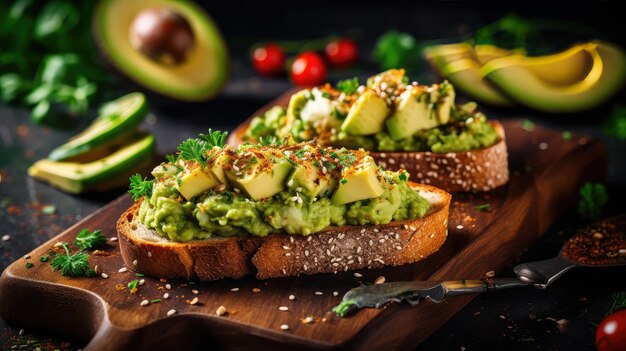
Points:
point(467, 286)
point(543, 273)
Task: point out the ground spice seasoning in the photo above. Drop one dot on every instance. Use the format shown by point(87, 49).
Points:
point(600, 244)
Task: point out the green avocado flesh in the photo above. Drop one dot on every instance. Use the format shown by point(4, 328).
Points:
point(199, 77)
point(322, 187)
point(388, 115)
point(113, 128)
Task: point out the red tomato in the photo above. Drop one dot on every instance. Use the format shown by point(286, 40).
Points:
point(611, 334)
point(268, 59)
point(308, 69)
point(342, 52)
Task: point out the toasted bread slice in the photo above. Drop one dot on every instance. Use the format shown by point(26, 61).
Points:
point(277, 255)
point(475, 170)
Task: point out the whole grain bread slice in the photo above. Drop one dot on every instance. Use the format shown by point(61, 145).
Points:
point(475, 170)
point(332, 250)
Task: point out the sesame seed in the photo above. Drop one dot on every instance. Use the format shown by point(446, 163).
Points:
point(144, 303)
point(168, 286)
point(290, 182)
point(283, 308)
point(362, 231)
point(220, 311)
point(376, 230)
point(305, 267)
point(26, 257)
point(195, 292)
point(142, 281)
point(113, 238)
point(543, 146)
point(358, 275)
point(379, 280)
point(193, 301)
point(104, 275)
point(306, 253)
point(6, 237)
point(284, 271)
point(319, 293)
point(171, 312)
point(134, 262)
point(291, 239)
point(432, 235)
point(284, 327)
point(292, 297)
point(122, 270)
point(371, 242)
point(234, 289)
point(256, 290)
point(149, 254)
point(166, 296)
point(335, 293)
point(308, 320)
point(288, 254)
point(309, 238)
point(459, 227)
point(490, 274)
point(285, 247)
point(622, 251)
point(358, 250)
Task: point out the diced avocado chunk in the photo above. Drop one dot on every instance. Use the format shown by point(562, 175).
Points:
point(195, 181)
point(391, 77)
point(260, 175)
point(308, 180)
point(444, 96)
point(358, 183)
point(297, 102)
point(114, 126)
point(216, 168)
point(104, 174)
point(367, 115)
point(412, 114)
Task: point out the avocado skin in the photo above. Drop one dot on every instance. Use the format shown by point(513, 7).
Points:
point(105, 137)
point(101, 175)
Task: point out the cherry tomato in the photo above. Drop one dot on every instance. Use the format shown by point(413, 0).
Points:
point(268, 59)
point(611, 334)
point(308, 69)
point(342, 52)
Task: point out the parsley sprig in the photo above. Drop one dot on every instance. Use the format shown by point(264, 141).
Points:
point(593, 197)
point(140, 187)
point(88, 240)
point(214, 138)
point(271, 141)
point(194, 150)
point(348, 86)
point(72, 265)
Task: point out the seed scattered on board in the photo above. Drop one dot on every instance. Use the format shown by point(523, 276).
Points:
point(357, 275)
point(122, 270)
point(283, 308)
point(144, 303)
point(319, 293)
point(234, 289)
point(335, 293)
point(166, 296)
point(193, 301)
point(220, 311)
point(292, 297)
point(284, 327)
point(104, 275)
point(171, 312)
point(6, 237)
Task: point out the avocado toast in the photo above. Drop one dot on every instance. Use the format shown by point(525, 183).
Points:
point(402, 125)
point(276, 209)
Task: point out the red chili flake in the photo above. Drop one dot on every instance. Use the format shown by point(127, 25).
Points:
point(603, 243)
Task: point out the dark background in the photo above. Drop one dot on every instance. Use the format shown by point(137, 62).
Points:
point(512, 320)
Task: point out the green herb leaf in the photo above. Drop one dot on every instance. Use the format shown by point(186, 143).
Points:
point(56, 18)
point(71, 265)
point(593, 197)
point(132, 286)
point(483, 207)
point(155, 300)
point(88, 240)
point(344, 307)
point(348, 86)
point(271, 141)
point(616, 124)
point(44, 258)
point(404, 176)
point(29, 265)
point(397, 50)
point(343, 180)
point(619, 302)
point(567, 135)
point(139, 187)
point(214, 138)
point(527, 125)
point(140, 275)
point(171, 159)
point(194, 150)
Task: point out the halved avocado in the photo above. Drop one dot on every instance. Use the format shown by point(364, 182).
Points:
point(465, 75)
point(440, 55)
point(108, 132)
point(198, 77)
point(523, 82)
point(104, 174)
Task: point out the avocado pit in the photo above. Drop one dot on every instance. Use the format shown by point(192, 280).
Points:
point(163, 35)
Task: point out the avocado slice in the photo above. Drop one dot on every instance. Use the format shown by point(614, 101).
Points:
point(112, 129)
point(308, 180)
point(259, 173)
point(198, 77)
point(441, 55)
point(485, 53)
point(358, 183)
point(195, 181)
point(443, 95)
point(100, 175)
point(514, 76)
point(216, 168)
point(412, 113)
point(367, 115)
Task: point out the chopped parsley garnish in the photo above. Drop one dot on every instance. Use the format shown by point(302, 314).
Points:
point(72, 265)
point(171, 159)
point(132, 286)
point(155, 300)
point(44, 258)
point(326, 95)
point(483, 207)
point(139, 187)
point(29, 265)
point(593, 197)
point(194, 150)
point(403, 176)
point(88, 240)
point(527, 125)
point(348, 86)
point(300, 153)
point(347, 159)
point(270, 141)
point(214, 138)
point(343, 180)
point(139, 275)
point(567, 135)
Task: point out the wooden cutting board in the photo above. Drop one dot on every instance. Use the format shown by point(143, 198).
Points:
point(547, 172)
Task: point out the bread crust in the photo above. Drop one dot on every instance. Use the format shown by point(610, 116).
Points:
point(332, 250)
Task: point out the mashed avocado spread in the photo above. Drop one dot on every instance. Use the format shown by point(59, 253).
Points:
point(386, 114)
point(208, 189)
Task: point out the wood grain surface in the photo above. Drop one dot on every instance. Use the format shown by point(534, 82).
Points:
point(544, 182)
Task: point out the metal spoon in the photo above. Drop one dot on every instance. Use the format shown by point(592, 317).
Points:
point(539, 274)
